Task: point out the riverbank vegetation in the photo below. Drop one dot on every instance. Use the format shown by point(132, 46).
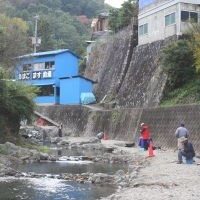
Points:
point(181, 63)
point(16, 103)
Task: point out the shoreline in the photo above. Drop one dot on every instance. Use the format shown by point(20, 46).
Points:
point(153, 178)
point(162, 179)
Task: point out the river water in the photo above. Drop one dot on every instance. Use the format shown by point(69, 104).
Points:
point(50, 189)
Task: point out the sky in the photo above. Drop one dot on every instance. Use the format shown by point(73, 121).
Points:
point(115, 3)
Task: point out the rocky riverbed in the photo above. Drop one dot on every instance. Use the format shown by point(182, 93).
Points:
point(113, 153)
point(155, 178)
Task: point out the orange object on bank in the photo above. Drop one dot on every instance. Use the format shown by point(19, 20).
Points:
point(151, 150)
point(105, 137)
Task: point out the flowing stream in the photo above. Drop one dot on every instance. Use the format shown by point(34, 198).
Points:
point(50, 189)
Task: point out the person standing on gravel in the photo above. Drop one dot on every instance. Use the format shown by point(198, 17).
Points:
point(181, 132)
point(60, 130)
point(145, 135)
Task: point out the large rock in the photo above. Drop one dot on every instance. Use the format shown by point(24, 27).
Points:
point(9, 148)
point(47, 131)
point(44, 156)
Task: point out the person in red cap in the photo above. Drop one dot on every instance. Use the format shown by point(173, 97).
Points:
point(145, 135)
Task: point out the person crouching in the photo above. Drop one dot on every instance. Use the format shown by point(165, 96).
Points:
point(187, 150)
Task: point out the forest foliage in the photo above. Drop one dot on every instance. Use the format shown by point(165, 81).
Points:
point(63, 24)
point(181, 63)
point(121, 17)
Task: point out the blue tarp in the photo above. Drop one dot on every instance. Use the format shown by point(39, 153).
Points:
point(87, 98)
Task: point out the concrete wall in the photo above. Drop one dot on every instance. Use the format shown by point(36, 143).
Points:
point(154, 15)
point(124, 124)
point(129, 76)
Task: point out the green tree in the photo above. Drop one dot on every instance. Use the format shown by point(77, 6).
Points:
point(114, 20)
point(6, 7)
point(51, 4)
point(16, 99)
point(46, 32)
point(178, 63)
point(197, 52)
point(16, 103)
point(197, 62)
point(128, 10)
point(13, 40)
point(120, 18)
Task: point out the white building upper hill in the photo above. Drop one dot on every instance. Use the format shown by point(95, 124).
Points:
point(159, 19)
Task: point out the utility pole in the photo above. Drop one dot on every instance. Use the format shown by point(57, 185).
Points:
point(35, 35)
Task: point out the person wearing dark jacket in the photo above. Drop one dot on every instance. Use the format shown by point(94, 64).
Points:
point(187, 151)
point(60, 130)
point(145, 135)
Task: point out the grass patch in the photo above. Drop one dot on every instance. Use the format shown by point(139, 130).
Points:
point(27, 144)
point(187, 94)
point(43, 149)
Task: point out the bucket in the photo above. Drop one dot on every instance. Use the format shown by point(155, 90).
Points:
point(189, 161)
point(141, 149)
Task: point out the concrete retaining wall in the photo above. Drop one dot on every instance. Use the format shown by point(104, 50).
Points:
point(124, 124)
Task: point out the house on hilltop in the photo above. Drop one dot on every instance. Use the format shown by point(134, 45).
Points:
point(56, 74)
point(100, 23)
point(159, 19)
point(99, 27)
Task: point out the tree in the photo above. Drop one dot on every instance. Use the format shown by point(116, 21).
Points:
point(128, 10)
point(197, 61)
point(178, 63)
point(16, 99)
point(197, 52)
point(6, 7)
point(120, 18)
point(46, 32)
point(114, 20)
point(13, 39)
point(16, 103)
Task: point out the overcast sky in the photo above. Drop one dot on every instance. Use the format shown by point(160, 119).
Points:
point(115, 3)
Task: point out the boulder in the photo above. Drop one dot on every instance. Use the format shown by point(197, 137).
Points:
point(56, 140)
point(44, 156)
point(47, 131)
point(9, 148)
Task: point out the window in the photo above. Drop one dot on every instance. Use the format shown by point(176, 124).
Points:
point(46, 90)
point(170, 19)
point(38, 66)
point(49, 65)
point(143, 29)
point(187, 16)
point(26, 67)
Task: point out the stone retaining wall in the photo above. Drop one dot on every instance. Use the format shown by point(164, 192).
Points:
point(124, 124)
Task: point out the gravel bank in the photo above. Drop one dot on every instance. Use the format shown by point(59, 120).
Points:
point(162, 178)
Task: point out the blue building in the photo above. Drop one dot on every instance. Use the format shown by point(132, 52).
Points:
point(56, 73)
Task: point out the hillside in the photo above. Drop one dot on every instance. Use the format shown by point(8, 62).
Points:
point(62, 23)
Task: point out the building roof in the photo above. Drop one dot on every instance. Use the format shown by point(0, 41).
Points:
point(89, 41)
point(68, 77)
point(50, 53)
point(104, 15)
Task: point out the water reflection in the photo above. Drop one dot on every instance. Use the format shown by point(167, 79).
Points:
point(69, 167)
point(62, 151)
point(40, 189)
point(50, 189)
point(73, 167)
